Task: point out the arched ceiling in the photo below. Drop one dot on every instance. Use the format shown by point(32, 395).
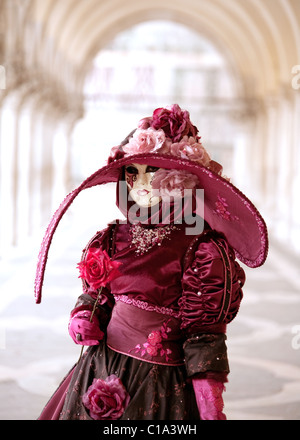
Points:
point(260, 38)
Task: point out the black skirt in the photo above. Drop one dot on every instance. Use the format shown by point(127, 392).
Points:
point(157, 392)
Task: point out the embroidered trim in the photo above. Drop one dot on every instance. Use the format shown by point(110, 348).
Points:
point(146, 306)
point(153, 346)
point(144, 239)
point(222, 209)
point(169, 364)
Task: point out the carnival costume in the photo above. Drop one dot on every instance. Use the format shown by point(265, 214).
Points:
point(156, 323)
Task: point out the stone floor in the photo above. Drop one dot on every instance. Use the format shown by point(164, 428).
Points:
point(36, 350)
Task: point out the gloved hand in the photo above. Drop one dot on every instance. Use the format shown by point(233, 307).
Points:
point(84, 332)
point(209, 398)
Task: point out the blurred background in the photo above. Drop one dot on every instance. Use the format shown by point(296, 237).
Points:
point(75, 78)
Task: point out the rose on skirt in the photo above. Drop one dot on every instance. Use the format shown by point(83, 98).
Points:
point(106, 399)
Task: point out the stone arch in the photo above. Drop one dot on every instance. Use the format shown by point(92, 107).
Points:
point(247, 29)
point(260, 41)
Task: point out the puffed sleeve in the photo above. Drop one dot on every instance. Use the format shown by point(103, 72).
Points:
point(212, 291)
point(86, 301)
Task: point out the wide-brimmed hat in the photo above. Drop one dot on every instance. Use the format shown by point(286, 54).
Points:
point(169, 141)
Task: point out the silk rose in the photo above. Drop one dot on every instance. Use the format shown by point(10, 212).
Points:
point(145, 141)
point(106, 399)
point(174, 121)
point(97, 269)
point(172, 183)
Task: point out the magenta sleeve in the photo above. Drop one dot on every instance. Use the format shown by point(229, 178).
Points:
point(212, 288)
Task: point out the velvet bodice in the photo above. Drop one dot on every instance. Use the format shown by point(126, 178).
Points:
point(173, 295)
point(155, 276)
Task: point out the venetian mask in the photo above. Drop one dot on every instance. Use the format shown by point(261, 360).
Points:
point(139, 179)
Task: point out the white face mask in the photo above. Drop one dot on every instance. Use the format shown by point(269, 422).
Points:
point(139, 181)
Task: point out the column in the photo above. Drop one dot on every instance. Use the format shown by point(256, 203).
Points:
point(295, 174)
point(8, 153)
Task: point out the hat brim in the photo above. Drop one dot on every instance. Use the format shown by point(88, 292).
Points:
point(226, 209)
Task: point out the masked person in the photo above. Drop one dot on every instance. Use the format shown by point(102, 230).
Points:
point(160, 286)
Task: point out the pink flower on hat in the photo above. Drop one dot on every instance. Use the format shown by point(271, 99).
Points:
point(172, 183)
point(145, 141)
point(190, 148)
point(174, 121)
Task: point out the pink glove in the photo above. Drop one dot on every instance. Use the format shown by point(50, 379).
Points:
point(84, 332)
point(209, 399)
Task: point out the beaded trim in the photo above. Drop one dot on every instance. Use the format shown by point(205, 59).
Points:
point(146, 306)
point(144, 239)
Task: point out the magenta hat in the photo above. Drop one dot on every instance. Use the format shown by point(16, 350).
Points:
point(168, 140)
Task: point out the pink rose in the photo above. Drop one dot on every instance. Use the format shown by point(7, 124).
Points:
point(106, 399)
point(190, 148)
point(154, 337)
point(172, 183)
point(97, 269)
point(151, 349)
point(145, 123)
point(153, 346)
point(145, 141)
point(174, 121)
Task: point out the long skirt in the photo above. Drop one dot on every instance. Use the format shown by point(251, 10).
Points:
point(157, 392)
